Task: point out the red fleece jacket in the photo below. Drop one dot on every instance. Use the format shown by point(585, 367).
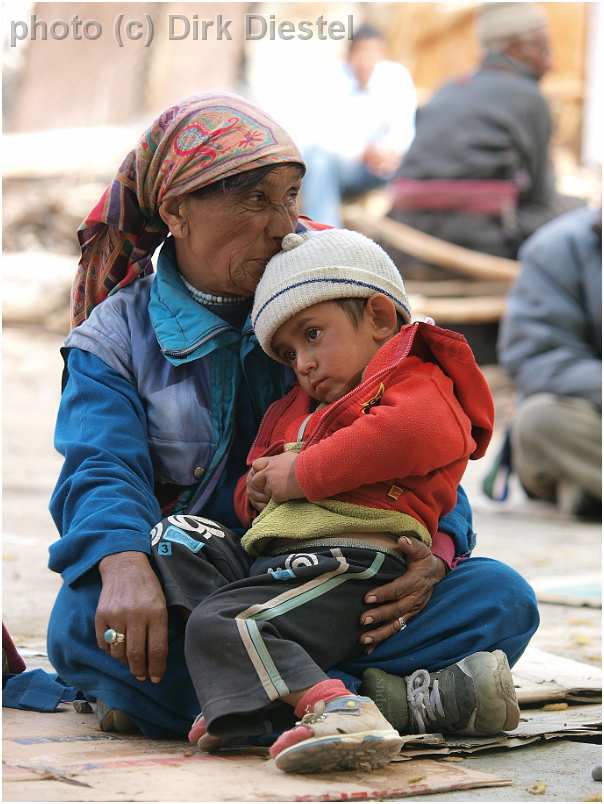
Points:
point(400, 440)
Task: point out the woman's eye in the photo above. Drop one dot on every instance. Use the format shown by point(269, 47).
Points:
point(256, 198)
point(293, 196)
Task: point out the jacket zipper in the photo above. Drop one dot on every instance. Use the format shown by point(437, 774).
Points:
point(269, 423)
point(190, 349)
point(324, 424)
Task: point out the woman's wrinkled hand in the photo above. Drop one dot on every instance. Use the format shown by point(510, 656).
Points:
point(132, 602)
point(278, 472)
point(404, 597)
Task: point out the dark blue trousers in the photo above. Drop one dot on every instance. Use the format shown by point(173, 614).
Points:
point(481, 605)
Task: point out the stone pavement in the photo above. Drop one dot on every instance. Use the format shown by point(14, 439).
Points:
point(532, 538)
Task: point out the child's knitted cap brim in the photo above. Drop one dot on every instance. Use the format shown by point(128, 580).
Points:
point(322, 266)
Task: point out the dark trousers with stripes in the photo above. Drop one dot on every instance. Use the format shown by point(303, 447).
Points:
point(260, 629)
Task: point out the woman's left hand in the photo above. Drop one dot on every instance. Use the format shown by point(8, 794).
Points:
point(404, 597)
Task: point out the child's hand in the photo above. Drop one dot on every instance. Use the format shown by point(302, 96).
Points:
point(278, 473)
point(255, 484)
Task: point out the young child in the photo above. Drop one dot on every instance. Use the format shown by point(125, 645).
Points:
point(369, 446)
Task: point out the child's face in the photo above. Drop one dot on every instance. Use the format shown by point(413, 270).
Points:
point(326, 350)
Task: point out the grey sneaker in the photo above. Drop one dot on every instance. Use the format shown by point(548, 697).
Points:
point(114, 719)
point(474, 696)
point(348, 733)
point(574, 501)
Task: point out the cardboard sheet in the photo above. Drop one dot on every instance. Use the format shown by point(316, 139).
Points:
point(569, 590)
point(62, 757)
point(578, 722)
point(541, 677)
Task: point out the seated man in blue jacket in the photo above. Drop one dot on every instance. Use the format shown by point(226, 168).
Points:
point(551, 344)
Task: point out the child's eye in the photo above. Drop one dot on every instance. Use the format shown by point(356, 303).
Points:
point(288, 356)
point(312, 333)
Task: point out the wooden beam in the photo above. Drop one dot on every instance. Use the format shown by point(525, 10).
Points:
point(453, 288)
point(444, 22)
point(469, 310)
point(431, 249)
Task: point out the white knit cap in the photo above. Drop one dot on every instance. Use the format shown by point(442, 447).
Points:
point(315, 267)
point(502, 21)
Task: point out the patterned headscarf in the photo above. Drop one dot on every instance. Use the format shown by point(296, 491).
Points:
point(191, 145)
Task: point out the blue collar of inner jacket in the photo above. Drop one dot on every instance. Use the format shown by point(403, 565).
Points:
point(180, 322)
point(185, 329)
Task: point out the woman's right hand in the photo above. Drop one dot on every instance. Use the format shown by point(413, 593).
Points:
point(132, 602)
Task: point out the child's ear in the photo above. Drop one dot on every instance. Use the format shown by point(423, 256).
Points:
point(382, 316)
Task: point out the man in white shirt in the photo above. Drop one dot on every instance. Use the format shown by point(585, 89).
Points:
point(363, 129)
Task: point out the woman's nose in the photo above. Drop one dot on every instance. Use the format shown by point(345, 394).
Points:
point(282, 222)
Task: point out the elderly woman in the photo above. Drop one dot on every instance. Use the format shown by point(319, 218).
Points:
point(164, 387)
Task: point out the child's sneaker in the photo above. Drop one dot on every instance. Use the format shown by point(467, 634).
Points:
point(198, 735)
point(474, 696)
point(347, 733)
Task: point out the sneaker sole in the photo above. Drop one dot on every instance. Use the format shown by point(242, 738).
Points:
point(209, 744)
point(365, 750)
point(492, 677)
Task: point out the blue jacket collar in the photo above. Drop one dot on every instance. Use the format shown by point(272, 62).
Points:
point(185, 329)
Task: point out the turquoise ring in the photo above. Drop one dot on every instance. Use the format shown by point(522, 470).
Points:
point(113, 637)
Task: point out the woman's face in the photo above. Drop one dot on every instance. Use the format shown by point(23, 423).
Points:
point(227, 238)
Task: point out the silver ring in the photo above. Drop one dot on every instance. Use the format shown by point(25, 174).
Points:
point(114, 637)
point(401, 624)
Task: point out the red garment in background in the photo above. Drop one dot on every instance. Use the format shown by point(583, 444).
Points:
point(15, 662)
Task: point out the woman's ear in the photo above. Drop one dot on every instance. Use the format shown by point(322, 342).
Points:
point(382, 316)
point(173, 214)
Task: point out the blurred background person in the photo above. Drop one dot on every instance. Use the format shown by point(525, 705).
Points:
point(551, 345)
point(366, 125)
point(478, 172)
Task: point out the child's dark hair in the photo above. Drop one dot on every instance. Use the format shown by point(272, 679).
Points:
point(355, 308)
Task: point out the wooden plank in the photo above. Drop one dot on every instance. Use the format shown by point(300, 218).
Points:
point(432, 249)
